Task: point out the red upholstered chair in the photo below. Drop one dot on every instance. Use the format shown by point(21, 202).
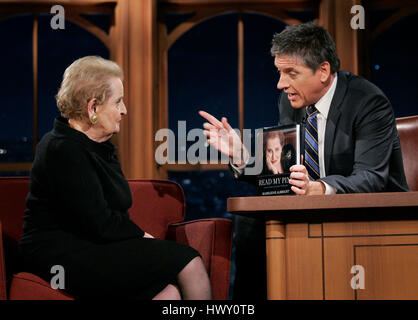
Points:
point(3, 294)
point(408, 134)
point(158, 207)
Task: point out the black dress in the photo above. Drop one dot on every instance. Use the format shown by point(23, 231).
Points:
point(77, 218)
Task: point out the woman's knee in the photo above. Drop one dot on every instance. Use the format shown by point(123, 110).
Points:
point(171, 292)
point(195, 265)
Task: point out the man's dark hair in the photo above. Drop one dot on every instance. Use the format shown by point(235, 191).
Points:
point(308, 41)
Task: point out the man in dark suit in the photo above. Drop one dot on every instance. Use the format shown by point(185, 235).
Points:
point(362, 151)
point(351, 140)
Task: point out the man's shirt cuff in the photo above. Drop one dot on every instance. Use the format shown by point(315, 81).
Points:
point(329, 189)
point(237, 171)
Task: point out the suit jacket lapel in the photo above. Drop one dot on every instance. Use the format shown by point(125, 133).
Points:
point(333, 117)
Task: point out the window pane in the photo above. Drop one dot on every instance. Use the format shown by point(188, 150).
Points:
point(206, 192)
point(102, 20)
point(202, 74)
point(394, 66)
point(303, 15)
point(56, 50)
point(16, 111)
point(173, 19)
point(260, 74)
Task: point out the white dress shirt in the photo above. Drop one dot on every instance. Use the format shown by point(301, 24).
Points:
point(322, 106)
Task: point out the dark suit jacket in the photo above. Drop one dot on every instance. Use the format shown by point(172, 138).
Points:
point(362, 148)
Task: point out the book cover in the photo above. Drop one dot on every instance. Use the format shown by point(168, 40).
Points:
point(281, 150)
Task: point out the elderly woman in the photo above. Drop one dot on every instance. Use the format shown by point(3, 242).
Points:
point(78, 203)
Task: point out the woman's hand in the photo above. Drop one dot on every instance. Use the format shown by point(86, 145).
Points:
point(147, 235)
point(270, 165)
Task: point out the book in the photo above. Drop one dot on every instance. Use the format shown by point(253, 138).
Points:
point(281, 150)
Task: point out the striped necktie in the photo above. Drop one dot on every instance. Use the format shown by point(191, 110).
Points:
point(311, 144)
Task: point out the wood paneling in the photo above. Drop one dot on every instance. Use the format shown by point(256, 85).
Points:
point(265, 204)
point(319, 256)
point(12, 7)
point(15, 166)
point(314, 230)
point(341, 254)
point(319, 267)
point(268, 6)
point(390, 270)
point(276, 260)
point(335, 17)
point(370, 229)
point(240, 79)
point(136, 25)
point(342, 243)
point(35, 81)
point(304, 262)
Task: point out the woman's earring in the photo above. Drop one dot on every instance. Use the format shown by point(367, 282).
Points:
point(94, 118)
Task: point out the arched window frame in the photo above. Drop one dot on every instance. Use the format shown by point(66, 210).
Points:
point(73, 13)
point(203, 10)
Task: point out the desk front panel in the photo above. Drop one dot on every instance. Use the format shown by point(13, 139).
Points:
point(320, 257)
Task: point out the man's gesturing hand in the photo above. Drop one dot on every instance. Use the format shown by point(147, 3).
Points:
point(223, 138)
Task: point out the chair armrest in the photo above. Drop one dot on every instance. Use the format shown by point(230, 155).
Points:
point(156, 205)
point(27, 286)
point(213, 239)
point(3, 295)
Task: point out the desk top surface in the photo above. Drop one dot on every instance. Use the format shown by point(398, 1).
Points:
point(276, 205)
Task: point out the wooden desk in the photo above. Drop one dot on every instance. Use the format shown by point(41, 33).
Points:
point(313, 242)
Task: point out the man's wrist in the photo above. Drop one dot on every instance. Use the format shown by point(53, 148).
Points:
point(241, 160)
point(316, 188)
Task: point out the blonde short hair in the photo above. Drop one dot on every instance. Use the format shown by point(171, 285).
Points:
point(85, 79)
point(271, 135)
